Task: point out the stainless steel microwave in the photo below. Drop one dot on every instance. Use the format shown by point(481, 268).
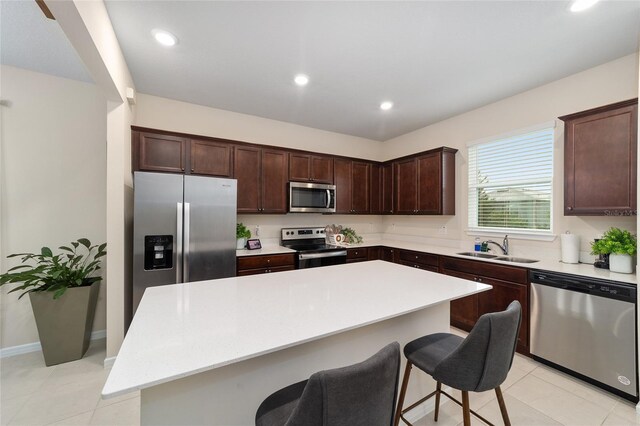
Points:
point(312, 198)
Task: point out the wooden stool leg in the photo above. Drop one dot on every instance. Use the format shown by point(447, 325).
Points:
point(438, 390)
point(466, 411)
point(503, 407)
point(403, 391)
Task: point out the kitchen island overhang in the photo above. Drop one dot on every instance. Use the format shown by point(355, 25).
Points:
point(248, 335)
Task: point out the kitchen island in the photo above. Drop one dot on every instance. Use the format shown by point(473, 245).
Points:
point(209, 352)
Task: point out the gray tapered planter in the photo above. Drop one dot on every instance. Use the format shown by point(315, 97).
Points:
point(64, 325)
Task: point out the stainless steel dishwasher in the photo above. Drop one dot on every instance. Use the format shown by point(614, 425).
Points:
point(586, 327)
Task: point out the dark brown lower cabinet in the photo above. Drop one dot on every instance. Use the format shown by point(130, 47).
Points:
point(375, 253)
point(264, 264)
point(360, 254)
point(418, 260)
point(509, 284)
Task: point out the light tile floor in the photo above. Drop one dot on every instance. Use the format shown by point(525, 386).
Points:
point(69, 394)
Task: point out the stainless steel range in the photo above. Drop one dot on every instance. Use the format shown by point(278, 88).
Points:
point(312, 249)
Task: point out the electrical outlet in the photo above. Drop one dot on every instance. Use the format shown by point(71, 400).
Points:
point(443, 230)
point(257, 230)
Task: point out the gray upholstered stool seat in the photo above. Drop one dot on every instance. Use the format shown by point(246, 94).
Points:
point(477, 363)
point(362, 394)
point(427, 352)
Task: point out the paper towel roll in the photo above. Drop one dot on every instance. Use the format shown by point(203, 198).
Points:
point(570, 244)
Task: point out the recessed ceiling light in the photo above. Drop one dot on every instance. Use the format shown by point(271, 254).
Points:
point(580, 5)
point(386, 105)
point(165, 38)
point(301, 79)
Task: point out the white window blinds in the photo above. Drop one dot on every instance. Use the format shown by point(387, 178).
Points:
point(510, 183)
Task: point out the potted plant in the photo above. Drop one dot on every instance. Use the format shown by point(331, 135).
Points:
point(621, 246)
point(242, 235)
point(63, 290)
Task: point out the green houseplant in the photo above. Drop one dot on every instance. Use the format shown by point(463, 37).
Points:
point(242, 235)
point(621, 246)
point(63, 289)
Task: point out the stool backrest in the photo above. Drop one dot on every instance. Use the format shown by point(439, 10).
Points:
point(484, 358)
point(360, 394)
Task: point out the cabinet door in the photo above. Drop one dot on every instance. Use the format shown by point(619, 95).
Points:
point(375, 253)
point(388, 254)
point(429, 184)
point(387, 188)
point(275, 166)
point(162, 153)
point(360, 187)
point(464, 312)
point(406, 191)
point(211, 158)
point(299, 167)
point(321, 169)
point(600, 161)
point(498, 298)
point(342, 179)
point(375, 189)
point(246, 163)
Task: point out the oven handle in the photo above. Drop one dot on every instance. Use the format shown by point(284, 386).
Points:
point(303, 256)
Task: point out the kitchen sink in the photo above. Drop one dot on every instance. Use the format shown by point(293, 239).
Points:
point(515, 259)
point(476, 254)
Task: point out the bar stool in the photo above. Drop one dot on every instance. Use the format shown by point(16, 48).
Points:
point(362, 394)
point(477, 363)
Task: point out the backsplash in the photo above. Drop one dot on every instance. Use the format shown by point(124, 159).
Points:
point(438, 230)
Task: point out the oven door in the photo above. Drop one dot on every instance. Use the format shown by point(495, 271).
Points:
point(325, 258)
point(311, 198)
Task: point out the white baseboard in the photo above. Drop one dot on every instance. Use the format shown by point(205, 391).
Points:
point(35, 346)
point(108, 362)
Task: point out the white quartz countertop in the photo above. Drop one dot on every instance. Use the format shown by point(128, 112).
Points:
point(184, 329)
point(265, 250)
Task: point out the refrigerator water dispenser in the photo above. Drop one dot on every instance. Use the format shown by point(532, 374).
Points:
point(158, 252)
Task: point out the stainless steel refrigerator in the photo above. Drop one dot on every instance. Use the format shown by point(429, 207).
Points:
point(184, 229)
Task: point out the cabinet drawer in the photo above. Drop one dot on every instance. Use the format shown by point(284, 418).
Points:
point(245, 272)
point(492, 270)
point(359, 253)
point(269, 261)
point(419, 266)
point(419, 258)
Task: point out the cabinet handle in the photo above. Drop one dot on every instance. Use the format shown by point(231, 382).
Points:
point(569, 208)
point(193, 170)
point(479, 279)
point(268, 260)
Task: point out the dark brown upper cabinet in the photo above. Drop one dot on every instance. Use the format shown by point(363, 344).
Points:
point(387, 188)
point(425, 183)
point(262, 179)
point(352, 186)
point(162, 153)
point(310, 168)
point(211, 158)
point(600, 163)
point(375, 188)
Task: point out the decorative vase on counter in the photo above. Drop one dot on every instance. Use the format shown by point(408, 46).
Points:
point(622, 263)
point(241, 243)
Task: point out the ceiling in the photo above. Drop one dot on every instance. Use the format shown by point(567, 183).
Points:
point(432, 59)
point(29, 40)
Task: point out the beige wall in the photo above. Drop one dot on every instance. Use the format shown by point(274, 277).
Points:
point(608, 83)
point(167, 114)
point(53, 178)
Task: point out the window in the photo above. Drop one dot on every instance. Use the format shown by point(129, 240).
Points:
point(510, 183)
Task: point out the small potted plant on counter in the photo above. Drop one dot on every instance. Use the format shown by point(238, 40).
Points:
point(242, 235)
point(621, 246)
point(63, 289)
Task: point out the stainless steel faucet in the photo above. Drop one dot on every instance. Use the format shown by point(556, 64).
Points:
point(505, 244)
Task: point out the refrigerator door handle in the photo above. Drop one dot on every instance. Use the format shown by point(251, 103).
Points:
point(178, 242)
point(185, 257)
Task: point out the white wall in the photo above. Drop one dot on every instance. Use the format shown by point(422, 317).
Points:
point(608, 83)
point(177, 116)
point(52, 178)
